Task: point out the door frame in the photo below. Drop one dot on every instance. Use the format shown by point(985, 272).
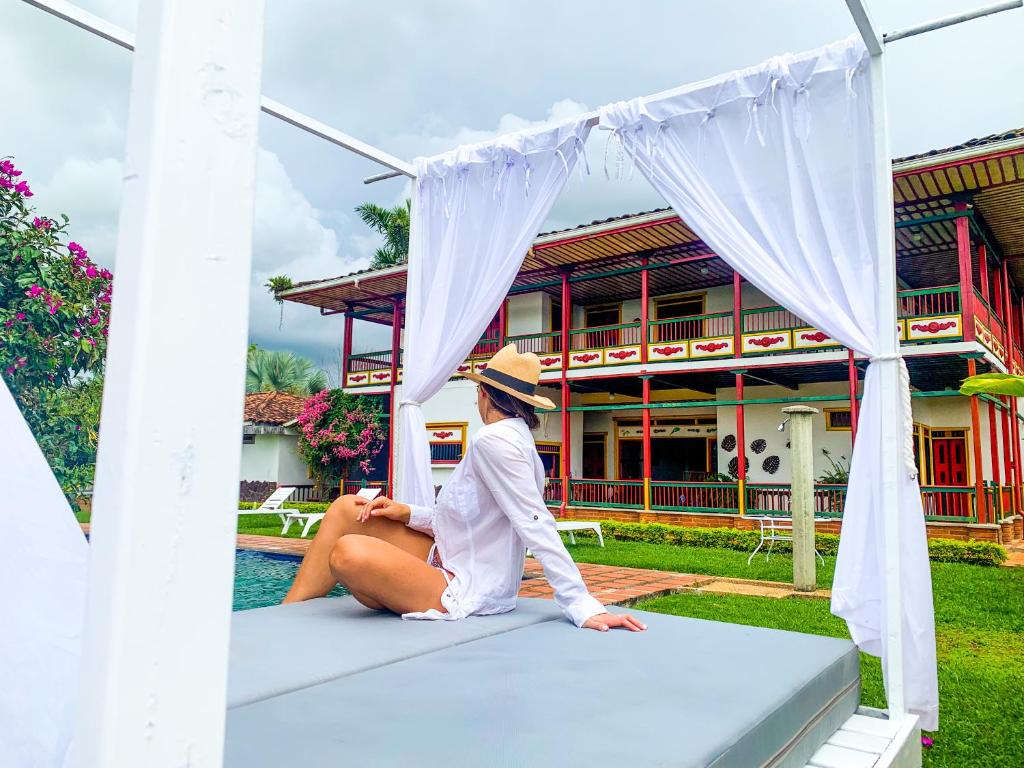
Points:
point(604, 448)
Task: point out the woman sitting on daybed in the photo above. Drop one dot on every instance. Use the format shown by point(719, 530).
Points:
point(463, 556)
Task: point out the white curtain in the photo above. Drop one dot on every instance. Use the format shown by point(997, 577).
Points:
point(42, 602)
point(476, 211)
point(772, 167)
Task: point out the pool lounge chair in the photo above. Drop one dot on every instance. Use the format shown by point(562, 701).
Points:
point(293, 515)
point(273, 503)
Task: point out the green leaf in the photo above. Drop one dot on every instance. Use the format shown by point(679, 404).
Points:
point(993, 384)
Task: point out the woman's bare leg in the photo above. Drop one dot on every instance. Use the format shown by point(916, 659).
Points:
point(385, 576)
point(315, 579)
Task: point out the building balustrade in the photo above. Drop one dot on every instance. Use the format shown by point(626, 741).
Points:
point(926, 315)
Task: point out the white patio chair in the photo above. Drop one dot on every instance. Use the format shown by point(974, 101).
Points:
point(568, 526)
point(293, 515)
point(776, 529)
point(273, 503)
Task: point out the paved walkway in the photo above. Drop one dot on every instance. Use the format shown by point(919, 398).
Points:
point(611, 585)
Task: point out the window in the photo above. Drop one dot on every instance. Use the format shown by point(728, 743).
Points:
point(248, 439)
point(838, 419)
point(681, 306)
point(447, 442)
point(672, 315)
point(551, 458)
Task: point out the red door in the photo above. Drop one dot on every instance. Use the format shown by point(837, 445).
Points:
point(949, 461)
point(949, 468)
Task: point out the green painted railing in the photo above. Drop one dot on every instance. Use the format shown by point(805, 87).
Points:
point(628, 494)
point(929, 302)
point(603, 336)
point(693, 327)
point(714, 498)
point(538, 343)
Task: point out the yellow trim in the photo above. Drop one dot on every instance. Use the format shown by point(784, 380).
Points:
point(463, 426)
point(968, 452)
point(828, 425)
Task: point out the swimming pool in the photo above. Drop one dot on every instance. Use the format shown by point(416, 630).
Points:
point(263, 578)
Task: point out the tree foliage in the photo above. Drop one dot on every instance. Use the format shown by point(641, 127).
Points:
point(993, 384)
point(393, 226)
point(274, 371)
point(54, 313)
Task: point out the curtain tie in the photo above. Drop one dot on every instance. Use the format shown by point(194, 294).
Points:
point(415, 403)
point(908, 414)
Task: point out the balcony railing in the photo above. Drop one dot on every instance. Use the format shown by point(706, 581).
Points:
point(604, 336)
point(926, 315)
point(539, 343)
point(686, 328)
point(952, 504)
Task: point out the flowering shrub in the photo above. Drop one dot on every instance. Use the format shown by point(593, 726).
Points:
point(54, 301)
point(54, 308)
point(339, 433)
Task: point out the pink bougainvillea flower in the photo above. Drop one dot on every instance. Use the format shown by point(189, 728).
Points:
point(5, 183)
point(76, 333)
point(22, 188)
point(33, 291)
point(106, 274)
point(91, 271)
point(8, 323)
point(10, 370)
point(926, 742)
point(92, 342)
point(6, 166)
point(20, 316)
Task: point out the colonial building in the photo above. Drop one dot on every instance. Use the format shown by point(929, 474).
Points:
point(270, 440)
point(671, 371)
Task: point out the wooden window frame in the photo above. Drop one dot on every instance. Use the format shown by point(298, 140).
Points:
point(442, 425)
point(828, 419)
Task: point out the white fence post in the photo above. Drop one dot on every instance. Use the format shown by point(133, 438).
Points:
point(802, 496)
point(154, 670)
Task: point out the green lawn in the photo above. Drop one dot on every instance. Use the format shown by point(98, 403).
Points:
point(979, 615)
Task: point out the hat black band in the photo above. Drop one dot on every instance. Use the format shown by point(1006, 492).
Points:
point(512, 382)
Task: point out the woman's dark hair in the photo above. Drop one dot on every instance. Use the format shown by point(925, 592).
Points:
point(512, 407)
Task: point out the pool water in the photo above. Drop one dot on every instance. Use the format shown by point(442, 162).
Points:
point(263, 578)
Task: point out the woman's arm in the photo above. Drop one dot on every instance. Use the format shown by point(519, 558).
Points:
point(416, 517)
point(508, 475)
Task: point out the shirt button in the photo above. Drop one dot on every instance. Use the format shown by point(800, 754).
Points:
point(536, 517)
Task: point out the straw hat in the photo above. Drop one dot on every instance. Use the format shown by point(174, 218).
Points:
point(515, 373)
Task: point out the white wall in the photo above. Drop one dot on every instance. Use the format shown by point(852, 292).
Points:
point(259, 460)
point(291, 469)
point(527, 313)
point(274, 458)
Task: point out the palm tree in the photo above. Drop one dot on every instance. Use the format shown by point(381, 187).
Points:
point(393, 225)
point(272, 371)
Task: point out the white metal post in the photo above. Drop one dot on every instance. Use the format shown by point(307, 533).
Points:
point(889, 367)
point(154, 677)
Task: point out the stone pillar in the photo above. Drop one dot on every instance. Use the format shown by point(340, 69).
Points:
point(802, 495)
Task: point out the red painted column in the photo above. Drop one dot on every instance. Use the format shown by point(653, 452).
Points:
point(986, 292)
point(963, 250)
point(396, 351)
point(854, 405)
point(741, 448)
point(737, 314)
point(979, 487)
point(566, 395)
point(647, 440)
point(1010, 453)
point(502, 322)
point(346, 347)
point(645, 300)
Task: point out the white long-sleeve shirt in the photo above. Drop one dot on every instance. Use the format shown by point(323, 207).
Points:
point(490, 510)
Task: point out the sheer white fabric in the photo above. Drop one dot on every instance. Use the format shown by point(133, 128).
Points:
point(475, 212)
point(489, 511)
point(42, 601)
point(772, 167)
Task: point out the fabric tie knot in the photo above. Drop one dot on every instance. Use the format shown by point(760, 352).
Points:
point(908, 415)
point(415, 403)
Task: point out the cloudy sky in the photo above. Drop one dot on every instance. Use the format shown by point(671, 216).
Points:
point(415, 78)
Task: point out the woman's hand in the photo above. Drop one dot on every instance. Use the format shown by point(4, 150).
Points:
point(381, 507)
point(602, 622)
